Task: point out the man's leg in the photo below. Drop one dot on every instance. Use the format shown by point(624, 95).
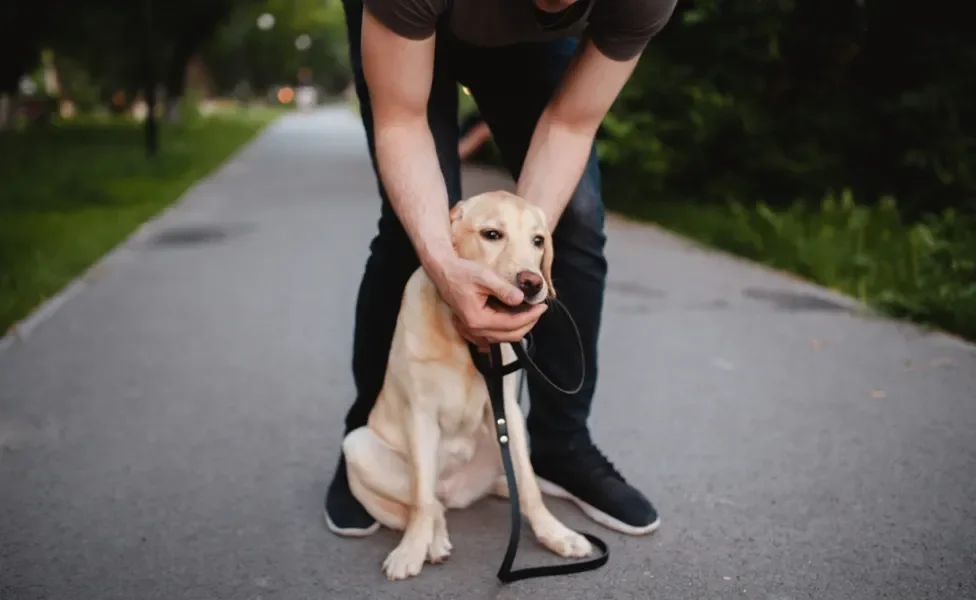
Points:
point(392, 260)
point(512, 86)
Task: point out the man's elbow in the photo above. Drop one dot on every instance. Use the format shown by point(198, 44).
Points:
point(399, 119)
point(580, 122)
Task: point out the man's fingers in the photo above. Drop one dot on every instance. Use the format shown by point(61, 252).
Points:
point(490, 326)
point(503, 290)
point(466, 333)
point(511, 332)
point(498, 337)
point(500, 320)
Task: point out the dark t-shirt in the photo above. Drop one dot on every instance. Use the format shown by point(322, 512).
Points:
point(619, 28)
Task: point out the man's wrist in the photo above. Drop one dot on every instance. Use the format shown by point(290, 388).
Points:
point(437, 260)
point(554, 165)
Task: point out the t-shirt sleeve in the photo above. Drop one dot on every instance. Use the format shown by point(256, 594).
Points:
point(621, 29)
point(412, 19)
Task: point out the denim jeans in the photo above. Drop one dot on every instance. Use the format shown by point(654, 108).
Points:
point(511, 85)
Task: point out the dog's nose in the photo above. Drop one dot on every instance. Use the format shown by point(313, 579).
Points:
point(530, 283)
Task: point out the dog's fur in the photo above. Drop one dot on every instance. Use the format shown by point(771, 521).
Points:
point(430, 444)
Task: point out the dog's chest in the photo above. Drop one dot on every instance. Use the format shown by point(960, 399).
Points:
point(461, 414)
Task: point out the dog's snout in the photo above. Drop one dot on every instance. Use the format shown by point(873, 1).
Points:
point(530, 283)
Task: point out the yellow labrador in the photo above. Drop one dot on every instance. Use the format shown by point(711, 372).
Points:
point(429, 444)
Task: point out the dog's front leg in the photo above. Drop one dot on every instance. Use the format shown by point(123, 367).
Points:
point(549, 530)
point(426, 532)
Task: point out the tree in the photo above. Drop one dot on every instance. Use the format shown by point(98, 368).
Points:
point(242, 51)
point(778, 100)
point(135, 45)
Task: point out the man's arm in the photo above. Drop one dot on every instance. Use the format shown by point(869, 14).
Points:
point(564, 135)
point(399, 72)
point(616, 35)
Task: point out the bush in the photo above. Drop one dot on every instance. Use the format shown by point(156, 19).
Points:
point(778, 100)
point(742, 111)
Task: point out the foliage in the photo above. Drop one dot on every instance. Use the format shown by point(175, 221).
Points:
point(241, 51)
point(744, 115)
point(777, 100)
point(19, 50)
point(73, 191)
point(102, 47)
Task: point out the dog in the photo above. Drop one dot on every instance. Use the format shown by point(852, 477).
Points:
point(429, 443)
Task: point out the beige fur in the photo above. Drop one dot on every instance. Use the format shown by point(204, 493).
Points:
point(430, 444)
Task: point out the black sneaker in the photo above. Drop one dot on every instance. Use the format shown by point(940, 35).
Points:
point(584, 476)
point(343, 513)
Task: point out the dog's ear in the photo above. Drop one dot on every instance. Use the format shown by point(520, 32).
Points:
point(456, 214)
point(547, 263)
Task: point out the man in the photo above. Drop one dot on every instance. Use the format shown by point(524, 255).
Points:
point(543, 95)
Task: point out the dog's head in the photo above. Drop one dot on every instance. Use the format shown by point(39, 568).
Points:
point(509, 235)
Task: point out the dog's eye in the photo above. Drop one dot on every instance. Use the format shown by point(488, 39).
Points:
point(491, 234)
point(538, 241)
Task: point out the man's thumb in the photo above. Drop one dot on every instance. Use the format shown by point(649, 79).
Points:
point(501, 289)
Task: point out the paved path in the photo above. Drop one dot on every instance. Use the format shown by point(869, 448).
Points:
point(168, 432)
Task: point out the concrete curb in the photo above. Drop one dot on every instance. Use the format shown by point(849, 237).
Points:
point(850, 302)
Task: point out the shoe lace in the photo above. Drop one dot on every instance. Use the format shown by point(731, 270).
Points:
point(592, 460)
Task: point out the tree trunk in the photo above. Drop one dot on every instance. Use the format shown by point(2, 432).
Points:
point(176, 77)
point(195, 33)
point(5, 110)
point(151, 127)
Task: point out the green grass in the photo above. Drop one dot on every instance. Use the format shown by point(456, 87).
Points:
point(923, 271)
point(73, 191)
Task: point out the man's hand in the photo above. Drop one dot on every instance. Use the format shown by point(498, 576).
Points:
point(466, 286)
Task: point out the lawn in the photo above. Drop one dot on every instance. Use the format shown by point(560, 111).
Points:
point(73, 191)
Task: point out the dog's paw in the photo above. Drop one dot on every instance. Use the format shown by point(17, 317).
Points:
point(405, 560)
point(565, 542)
point(440, 548)
point(440, 544)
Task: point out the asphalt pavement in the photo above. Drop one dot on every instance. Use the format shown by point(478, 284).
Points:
point(169, 424)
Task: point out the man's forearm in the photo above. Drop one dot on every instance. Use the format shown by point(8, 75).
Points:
point(553, 165)
point(563, 137)
point(410, 171)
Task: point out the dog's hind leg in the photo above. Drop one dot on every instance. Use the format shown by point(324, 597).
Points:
point(378, 477)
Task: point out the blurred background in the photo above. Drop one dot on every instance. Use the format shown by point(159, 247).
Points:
point(831, 138)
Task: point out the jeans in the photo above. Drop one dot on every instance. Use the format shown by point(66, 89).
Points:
point(511, 85)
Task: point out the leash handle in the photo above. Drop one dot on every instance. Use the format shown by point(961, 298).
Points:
point(524, 358)
point(494, 373)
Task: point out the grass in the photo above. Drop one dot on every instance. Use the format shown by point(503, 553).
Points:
point(73, 191)
point(923, 271)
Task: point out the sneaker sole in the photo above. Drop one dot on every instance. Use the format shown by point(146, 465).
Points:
point(551, 489)
point(350, 531)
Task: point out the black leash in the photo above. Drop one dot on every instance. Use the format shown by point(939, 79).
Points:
point(494, 371)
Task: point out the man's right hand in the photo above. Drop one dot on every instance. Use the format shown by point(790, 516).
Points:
point(466, 286)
